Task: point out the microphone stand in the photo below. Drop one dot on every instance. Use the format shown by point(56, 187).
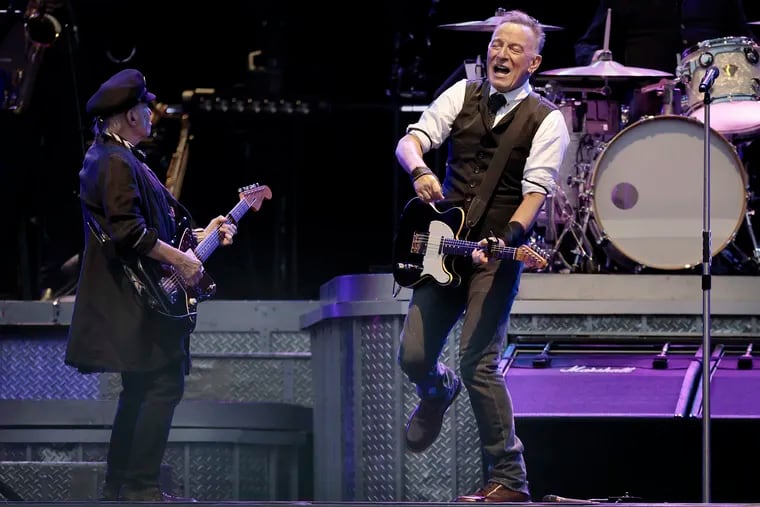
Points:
point(706, 286)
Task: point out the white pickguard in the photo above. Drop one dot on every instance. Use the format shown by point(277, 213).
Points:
point(432, 262)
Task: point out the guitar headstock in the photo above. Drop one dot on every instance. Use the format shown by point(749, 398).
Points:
point(532, 256)
point(254, 195)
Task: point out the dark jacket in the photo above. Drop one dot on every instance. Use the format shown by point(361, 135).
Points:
point(111, 328)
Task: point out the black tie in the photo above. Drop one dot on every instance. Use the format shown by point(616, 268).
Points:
point(495, 102)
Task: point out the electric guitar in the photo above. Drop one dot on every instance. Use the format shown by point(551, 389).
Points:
point(161, 286)
point(428, 243)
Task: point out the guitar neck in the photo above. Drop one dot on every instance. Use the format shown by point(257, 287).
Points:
point(206, 247)
point(452, 246)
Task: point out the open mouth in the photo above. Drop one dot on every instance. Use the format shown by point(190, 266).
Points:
point(501, 69)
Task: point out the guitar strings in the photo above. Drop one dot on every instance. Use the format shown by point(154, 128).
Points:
point(464, 244)
point(202, 249)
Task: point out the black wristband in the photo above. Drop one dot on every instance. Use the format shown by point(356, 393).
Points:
point(419, 172)
point(514, 235)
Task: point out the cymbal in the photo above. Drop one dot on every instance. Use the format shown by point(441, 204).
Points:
point(488, 25)
point(606, 69)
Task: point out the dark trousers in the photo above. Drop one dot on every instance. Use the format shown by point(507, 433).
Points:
point(142, 423)
point(484, 301)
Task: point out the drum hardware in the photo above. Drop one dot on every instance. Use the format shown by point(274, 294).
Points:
point(605, 68)
point(639, 200)
point(755, 247)
point(667, 90)
point(490, 24)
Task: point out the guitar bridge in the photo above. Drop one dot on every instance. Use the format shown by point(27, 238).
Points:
point(419, 243)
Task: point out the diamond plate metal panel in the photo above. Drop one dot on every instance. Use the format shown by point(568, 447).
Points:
point(53, 481)
point(221, 343)
point(228, 343)
point(216, 464)
point(290, 341)
point(31, 367)
point(549, 324)
point(617, 325)
point(14, 452)
point(378, 409)
point(56, 452)
point(672, 325)
point(94, 452)
point(206, 471)
point(239, 379)
point(254, 473)
point(732, 326)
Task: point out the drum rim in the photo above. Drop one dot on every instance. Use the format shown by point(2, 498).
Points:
point(600, 222)
point(719, 41)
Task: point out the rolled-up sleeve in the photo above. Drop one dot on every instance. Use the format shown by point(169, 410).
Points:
point(434, 125)
point(546, 154)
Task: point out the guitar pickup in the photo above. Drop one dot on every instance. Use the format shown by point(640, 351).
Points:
point(408, 266)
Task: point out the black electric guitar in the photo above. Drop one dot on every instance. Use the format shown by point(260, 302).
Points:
point(162, 287)
point(428, 243)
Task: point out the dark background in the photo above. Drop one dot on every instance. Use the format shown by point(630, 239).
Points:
point(329, 81)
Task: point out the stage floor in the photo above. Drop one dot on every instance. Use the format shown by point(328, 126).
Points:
point(370, 504)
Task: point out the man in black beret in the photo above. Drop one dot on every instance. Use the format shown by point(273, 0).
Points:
point(130, 221)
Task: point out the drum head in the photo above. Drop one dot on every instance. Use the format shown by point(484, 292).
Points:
point(648, 192)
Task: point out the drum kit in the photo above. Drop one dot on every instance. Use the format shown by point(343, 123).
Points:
point(630, 196)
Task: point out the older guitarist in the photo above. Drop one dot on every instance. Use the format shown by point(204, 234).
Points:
point(111, 328)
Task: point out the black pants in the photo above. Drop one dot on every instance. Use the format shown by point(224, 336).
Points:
point(142, 423)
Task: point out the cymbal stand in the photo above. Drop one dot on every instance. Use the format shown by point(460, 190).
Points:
point(755, 247)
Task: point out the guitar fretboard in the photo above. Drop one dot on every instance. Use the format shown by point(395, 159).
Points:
point(206, 247)
point(450, 246)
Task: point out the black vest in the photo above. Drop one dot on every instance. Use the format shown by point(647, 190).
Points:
point(472, 145)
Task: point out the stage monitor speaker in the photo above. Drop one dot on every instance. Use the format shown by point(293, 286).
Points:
point(574, 379)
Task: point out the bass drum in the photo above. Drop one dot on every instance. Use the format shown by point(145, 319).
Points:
point(647, 193)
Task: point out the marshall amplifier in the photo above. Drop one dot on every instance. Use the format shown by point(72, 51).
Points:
point(554, 379)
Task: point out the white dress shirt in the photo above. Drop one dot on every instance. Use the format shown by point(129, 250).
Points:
point(546, 153)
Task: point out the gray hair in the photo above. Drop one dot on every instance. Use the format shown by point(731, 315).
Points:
point(521, 18)
point(114, 123)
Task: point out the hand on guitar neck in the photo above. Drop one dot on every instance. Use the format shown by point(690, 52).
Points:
point(428, 241)
point(177, 282)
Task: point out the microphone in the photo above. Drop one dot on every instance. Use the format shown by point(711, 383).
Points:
point(562, 499)
point(709, 78)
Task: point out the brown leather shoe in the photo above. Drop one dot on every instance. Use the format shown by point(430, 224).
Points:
point(494, 492)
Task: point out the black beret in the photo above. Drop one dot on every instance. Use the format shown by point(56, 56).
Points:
point(120, 92)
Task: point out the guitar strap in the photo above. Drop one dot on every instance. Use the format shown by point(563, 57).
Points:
point(523, 113)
